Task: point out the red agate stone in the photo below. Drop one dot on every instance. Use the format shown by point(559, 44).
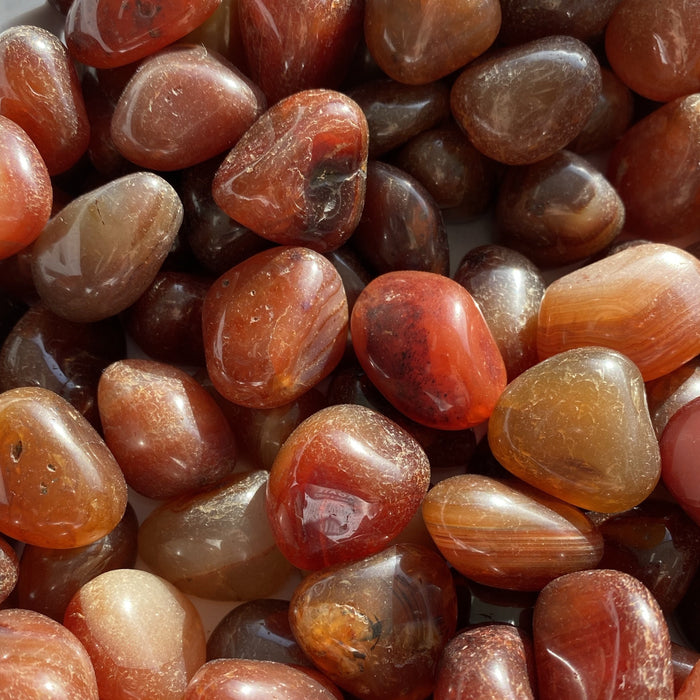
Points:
point(343, 485)
point(679, 444)
point(600, 633)
point(297, 176)
point(640, 301)
point(419, 42)
point(111, 33)
point(40, 91)
point(526, 102)
point(423, 342)
point(274, 326)
point(61, 486)
point(293, 46)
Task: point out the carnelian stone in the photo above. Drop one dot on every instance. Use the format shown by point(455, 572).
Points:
point(166, 431)
point(42, 659)
point(183, 106)
point(144, 637)
point(423, 342)
point(654, 169)
point(248, 679)
point(401, 227)
point(296, 46)
point(218, 543)
point(558, 211)
point(48, 351)
point(655, 47)
point(61, 486)
point(9, 569)
point(640, 301)
point(526, 102)
point(25, 189)
point(344, 483)
point(577, 427)
point(487, 662)
point(274, 326)
point(508, 287)
point(657, 543)
point(297, 176)
point(600, 633)
point(49, 578)
point(91, 261)
point(377, 627)
point(420, 42)
point(671, 392)
point(256, 629)
point(679, 448)
point(111, 33)
point(395, 111)
point(505, 534)
point(683, 660)
point(691, 686)
point(40, 91)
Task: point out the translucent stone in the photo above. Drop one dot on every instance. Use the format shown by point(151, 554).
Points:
point(165, 430)
point(654, 169)
point(558, 211)
point(42, 659)
point(274, 326)
point(506, 534)
point(25, 189)
point(683, 660)
point(526, 102)
point(91, 261)
point(577, 427)
point(256, 629)
point(424, 343)
point(640, 301)
point(297, 176)
point(60, 485)
point(691, 686)
point(508, 288)
point(216, 544)
point(40, 91)
point(417, 43)
point(9, 569)
point(401, 227)
point(671, 392)
point(654, 47)
point(396, 111)
point(343, 485)
point(600, 633)
point(144, 637)
point(108, 33)
point(296, 46)
point(487, 661)
point(377, 627)
point(245, 679)
point(48, 578)
point(183, 106)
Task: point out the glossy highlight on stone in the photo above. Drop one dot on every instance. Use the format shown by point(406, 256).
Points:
point(59, 484)
point(297, 175)
point(577, 426)
point(416, 42)
point(526, 102)
point(600, 633)
point(112, 33)
point(643, 301)
point(425, 345)
point(183, 106)
point(274, 326)
point(91, 261)
point(343, 485)
point(506, 534)
point(377, 627)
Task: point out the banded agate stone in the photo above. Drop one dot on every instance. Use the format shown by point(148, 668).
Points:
point(643, 301)
point(577, 426)
point(600, 633)
point(506, 534)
